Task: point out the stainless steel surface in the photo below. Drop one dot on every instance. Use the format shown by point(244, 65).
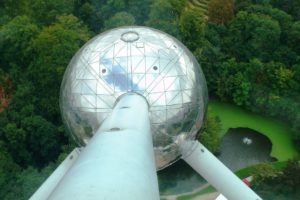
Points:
point(144, 61)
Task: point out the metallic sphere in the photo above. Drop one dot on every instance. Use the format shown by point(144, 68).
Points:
point(141, 60)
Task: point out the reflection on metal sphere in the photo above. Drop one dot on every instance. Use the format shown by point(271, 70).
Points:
point(144, 61)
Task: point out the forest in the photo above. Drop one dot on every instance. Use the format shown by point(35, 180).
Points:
point(248, 49)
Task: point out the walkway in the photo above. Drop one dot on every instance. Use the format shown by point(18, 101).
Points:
point(173, 197)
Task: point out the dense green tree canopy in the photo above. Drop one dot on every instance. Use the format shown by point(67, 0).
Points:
point(52, 50)
point(278, 184)
point(164, 17)
point(15, 41)
point(120, 19)
point(257, 34)
point(220, 11)
point(192, 29)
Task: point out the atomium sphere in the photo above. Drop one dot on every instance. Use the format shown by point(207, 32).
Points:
point(141, 60)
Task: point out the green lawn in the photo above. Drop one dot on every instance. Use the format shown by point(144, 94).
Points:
point(280, 134)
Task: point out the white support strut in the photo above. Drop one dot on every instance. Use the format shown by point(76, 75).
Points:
point(49, 185)
point(217, 174)
point(118, 163)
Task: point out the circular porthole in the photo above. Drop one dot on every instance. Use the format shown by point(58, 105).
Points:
point(130, 36)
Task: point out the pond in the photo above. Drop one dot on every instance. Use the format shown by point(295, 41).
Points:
point(240, 147)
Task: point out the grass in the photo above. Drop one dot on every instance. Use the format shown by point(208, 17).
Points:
point(279, 133)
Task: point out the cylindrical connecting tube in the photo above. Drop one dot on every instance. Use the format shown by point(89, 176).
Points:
point(118, 163)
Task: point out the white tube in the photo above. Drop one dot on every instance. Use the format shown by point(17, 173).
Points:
point(118, 163)
point(217, 174)
point(48, 186)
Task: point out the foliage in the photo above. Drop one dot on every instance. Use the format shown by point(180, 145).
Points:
point(6, 89)
point(15, 40)
point(27, 182)
point(45, 12)
point(8, 170)
point(290, 6)
point(209, 135)
point(178, 5)
point(163, 16)
point(285, 184)
point(294, 37)
point(252, 36)
point(119, 19)
point(191, 29)
point(139, 9)
point(264, 172)
point(220, 11)
point(53, 48)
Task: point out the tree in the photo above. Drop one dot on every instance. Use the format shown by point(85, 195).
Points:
point(119, 19)
point(285, 20)
point(294, 37)
point(291, 175)
point(290, 6)
point(85, 11)
point(163, 17)
point(278, 184)
point(90, 13)
point(191, 29)
point(22, 99)
point(220, 11)
point(110, 7)
point(6, 90)
point(15, 139)
point(232, 83)
point(15, 40)
point(264, 172)
point(284, 77)
point(296, 130)
point(242, 4)
point(43, 140)
point(139, 9)
point(8, 171)
point(179, 5)
point(45, 12)
point(53, 48)
point(210, 55)
point(252, 36)
point(27, 181)
point(209, 135)
point(13, 9)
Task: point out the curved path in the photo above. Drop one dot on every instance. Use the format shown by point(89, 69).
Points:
point(174, 197)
